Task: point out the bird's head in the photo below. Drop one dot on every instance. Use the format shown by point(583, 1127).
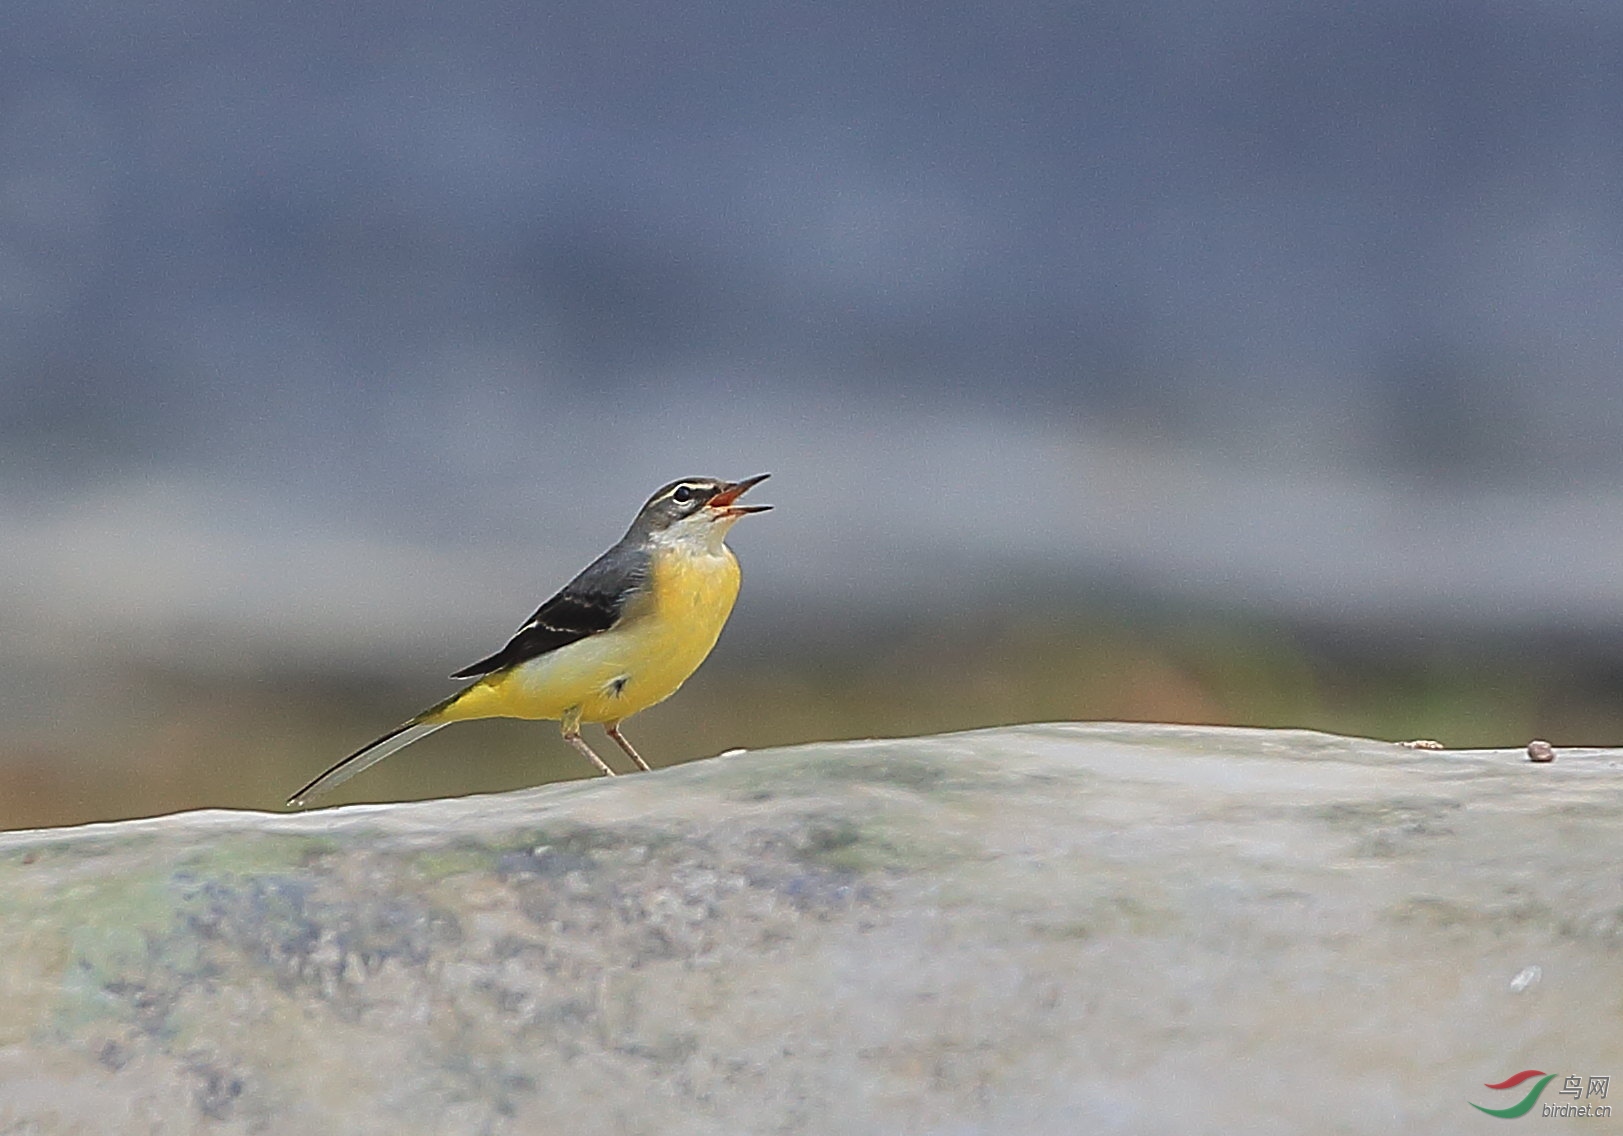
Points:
point(697, 507)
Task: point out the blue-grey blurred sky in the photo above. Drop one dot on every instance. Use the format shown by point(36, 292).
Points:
point(364, 325)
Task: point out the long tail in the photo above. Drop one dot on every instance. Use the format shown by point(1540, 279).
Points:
point(373, 752)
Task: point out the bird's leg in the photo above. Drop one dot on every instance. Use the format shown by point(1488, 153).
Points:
point(571, 728)
point(613, 730)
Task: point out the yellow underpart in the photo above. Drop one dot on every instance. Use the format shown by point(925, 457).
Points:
point(642, 660)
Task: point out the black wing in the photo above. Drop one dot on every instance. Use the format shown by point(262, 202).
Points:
point(589, 604)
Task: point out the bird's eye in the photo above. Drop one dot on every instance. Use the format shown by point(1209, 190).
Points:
point(682, 495)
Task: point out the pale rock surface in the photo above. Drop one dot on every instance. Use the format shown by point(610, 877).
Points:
point(1040, 929)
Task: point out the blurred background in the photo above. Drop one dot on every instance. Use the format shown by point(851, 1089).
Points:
point(1237, 362)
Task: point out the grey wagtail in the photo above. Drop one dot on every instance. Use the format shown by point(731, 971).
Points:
point(624, 634)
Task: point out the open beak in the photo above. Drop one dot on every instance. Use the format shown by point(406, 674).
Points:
point(723, 502)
